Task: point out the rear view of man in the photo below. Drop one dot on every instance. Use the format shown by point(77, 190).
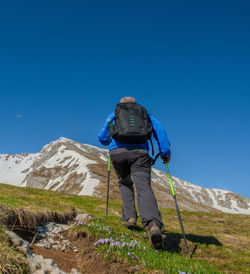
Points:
point(127, 131)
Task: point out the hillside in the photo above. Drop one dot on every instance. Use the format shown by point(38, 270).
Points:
point(68, 166)
point(219, 242)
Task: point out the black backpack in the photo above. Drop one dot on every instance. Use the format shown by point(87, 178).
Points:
point(132, 124)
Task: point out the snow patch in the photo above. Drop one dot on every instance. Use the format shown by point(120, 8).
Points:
point(13, 167)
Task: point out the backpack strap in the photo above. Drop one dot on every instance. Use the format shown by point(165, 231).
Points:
point(111, 129)
point(153, 151)
point(154, 160)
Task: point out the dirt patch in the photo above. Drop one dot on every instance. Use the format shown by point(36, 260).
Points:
point(87, 260)
point(65, 261)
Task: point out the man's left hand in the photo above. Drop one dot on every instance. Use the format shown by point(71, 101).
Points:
point(166, 159)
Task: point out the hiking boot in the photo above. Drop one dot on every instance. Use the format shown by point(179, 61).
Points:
point(131, 223)
point(154, 234)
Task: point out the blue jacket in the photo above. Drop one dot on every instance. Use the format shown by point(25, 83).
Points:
point(158, 132)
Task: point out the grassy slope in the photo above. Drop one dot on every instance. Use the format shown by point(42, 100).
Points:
point(220, 241)
point(10, 260)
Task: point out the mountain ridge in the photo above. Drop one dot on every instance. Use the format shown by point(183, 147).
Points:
point(68, 166)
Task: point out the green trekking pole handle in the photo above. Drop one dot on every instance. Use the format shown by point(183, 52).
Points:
point(107, 201)
point(177, 208)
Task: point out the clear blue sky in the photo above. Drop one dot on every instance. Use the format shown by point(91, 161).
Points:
point(65, 64)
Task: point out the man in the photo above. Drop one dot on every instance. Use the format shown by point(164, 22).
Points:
point(133, 164)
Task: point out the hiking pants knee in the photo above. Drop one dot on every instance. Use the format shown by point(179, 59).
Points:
point(133, 165)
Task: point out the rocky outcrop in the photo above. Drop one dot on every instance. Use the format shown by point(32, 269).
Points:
point(45, 239)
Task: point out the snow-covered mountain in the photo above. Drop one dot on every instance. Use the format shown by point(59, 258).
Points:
point(13, 167)
point(68, 166)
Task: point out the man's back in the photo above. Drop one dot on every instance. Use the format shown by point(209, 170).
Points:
point(132, 124)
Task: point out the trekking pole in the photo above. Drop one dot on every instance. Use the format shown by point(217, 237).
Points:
point(107, 201)
point(177, 208)
point(109, 164)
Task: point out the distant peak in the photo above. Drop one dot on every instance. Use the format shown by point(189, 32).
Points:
point(59, 141)
point(63, 139)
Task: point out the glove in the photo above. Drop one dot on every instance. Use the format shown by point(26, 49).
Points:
point(165, 159)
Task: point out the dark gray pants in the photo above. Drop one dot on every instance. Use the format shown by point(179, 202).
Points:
point(134, 165)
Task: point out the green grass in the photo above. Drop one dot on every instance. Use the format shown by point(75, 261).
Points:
point(133, 247)
point(218, 242)
point(34, 199)
point(11, 261)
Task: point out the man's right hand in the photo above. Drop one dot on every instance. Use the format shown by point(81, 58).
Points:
point(165, 159)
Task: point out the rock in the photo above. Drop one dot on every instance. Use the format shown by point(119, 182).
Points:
point(57, 271)
point(21, 244)
point(53, 228)
point(56, 230)
point(83, 217)
point(73, 271)
point(38, 258)
point(63, 248)
point(25, 249)
point(33, 264)
point(65, 227)
point(58, 247)
point(49, 235)
point(76, 250)
point(47, 246)
point(51, 241)
point(40, 229)
point(40, 245)
point(47, 264)
point(39, 271)
point(49, 226)
point(44, 245)
point(42, 235)
point(37, 263)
